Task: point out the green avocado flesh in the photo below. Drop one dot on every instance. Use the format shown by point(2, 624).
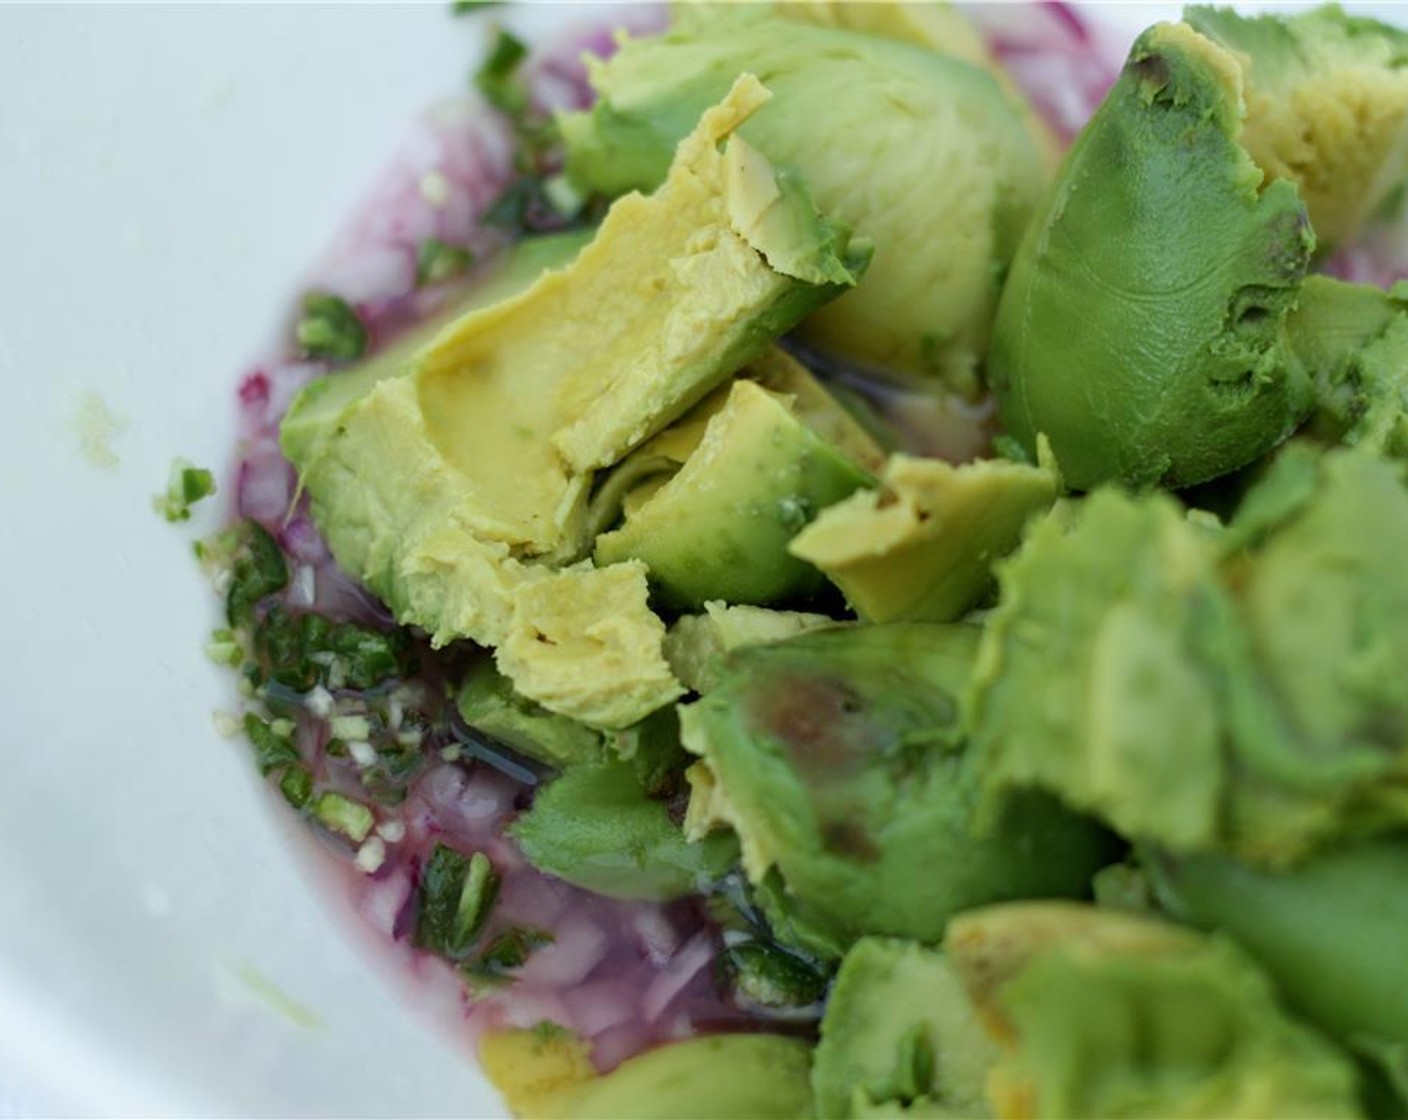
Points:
point(899, 1031)
point(963, 168)
point(744, 1076)
point(835, 756)
point(1053, 768)
point(1108, 1014)
point(719, 528)
point(1159, 357)
point(466, 527)
point(1332, 932)
point(1236, 690)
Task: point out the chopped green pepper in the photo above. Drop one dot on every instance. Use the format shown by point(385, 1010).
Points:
point(330, 328)
point(456, 895)
point(187, 485)
point(344, 816)
point(768, 976)
point(272, 750)
point(437, 261)
point(497, 78)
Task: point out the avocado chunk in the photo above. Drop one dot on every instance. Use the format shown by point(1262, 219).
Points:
point(933, 24)
point(899, 1030)
point(595, 827)
point(310, 422)
point(536, 1066)
point(723, 1077)
point(1327, 106)
point(446, 516)
point(696, 643)
point(1332, 932)
point(920, 548)
point(1158, 357)
point(1353, 339)
point(1235, 690)
point(1104, 1014)
point(963, 168)
point(582, 642)
point(487, 702)
point(836, 758)
point(718, 529)
point(646, 470)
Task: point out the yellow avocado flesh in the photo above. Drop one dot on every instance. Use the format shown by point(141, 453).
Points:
point(921, 548)
point(583, 643)
point(458, 477)
point(718, 529)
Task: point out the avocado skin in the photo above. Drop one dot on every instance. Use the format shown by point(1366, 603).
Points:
point(1158, 356)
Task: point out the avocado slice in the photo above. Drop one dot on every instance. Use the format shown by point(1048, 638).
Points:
point(1105, 1014)
point(595, 827)
point(899, 1030)
point(311, 419)
point(1327, 106)
point(487, 702)
point(723, 1077)
point(718, 529)
point(1159, 357)
point(920, 548)
point(696, 643)
point(444, 515)
point(1333, 932)
point(964, 168)
point(583, 643)
point(836, 758)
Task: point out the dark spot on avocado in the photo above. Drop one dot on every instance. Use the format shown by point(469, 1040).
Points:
point(1152, 73)
point(821, 722)
point(848, 839)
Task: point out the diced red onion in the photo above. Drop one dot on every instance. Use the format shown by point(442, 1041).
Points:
point(265, 488)
point(657, 935)
point(614, 1046)
point(383, 900)
point(698, 951)
point(600, 1005)
point(579, 945)
point(527, 1007)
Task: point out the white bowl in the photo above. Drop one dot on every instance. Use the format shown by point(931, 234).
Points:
point(166, 173)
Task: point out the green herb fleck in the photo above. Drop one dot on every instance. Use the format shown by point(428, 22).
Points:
point(563, 197)
point(186, 486)
point(272, 750)
point(456, 895)
point(250, 559)
point(498, 78)
point(506, 953)
point(437, 261)
point(225, 648)
point(766, 975)
point(300, 651)
point(330, 329)
point(465, 7)
point(344, 816)
point(297, 787)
